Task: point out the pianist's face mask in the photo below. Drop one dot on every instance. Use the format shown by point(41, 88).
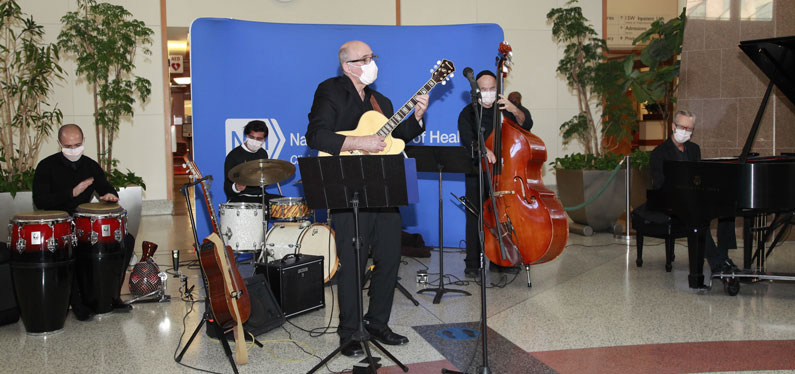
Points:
point(681, 136)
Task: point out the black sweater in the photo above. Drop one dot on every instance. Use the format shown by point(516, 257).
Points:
point(56, 176)
point(236, 157)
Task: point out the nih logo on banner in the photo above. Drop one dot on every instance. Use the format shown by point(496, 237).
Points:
point(233, 132)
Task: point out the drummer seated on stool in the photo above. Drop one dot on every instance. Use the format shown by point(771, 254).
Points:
point(255, 134)
point(67, 179)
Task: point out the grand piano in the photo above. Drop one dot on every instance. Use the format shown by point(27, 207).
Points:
point(753, 187)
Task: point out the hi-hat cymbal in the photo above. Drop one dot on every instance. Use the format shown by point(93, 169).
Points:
point(261, 172)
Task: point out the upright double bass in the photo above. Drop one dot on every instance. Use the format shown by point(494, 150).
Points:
point(526, 211)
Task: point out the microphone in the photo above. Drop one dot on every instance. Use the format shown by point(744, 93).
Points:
point(175, 259)
point(469, 74)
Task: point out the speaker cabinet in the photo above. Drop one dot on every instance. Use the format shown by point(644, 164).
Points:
point(296, 282)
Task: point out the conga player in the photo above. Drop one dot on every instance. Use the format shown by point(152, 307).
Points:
point(67, 179)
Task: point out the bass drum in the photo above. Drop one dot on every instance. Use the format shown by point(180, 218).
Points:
point(303, 238)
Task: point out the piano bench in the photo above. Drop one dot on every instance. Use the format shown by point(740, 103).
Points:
point(669, 230)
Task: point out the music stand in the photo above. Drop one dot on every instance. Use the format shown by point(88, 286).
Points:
point(353, 182)
point(442, 160)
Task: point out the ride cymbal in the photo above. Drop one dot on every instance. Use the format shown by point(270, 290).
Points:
point(261, 172)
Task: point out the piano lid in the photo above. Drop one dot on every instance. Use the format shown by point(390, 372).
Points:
point(776, 58)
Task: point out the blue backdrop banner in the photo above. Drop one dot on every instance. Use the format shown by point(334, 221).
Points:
point(245, 70)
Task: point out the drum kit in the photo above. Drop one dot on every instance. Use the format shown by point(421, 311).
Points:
point(50, 248)
point(279, 227)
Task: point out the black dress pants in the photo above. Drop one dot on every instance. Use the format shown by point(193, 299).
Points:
point(379, 230)
point(472, 259)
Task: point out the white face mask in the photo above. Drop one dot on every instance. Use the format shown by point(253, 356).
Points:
point(73, 154)
point(488, 97)
point(253, 145)
point(681, 136)
point(369, 73)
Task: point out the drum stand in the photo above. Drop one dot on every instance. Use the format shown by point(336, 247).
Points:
point(398, 286)
point(207, 316)
point(159, 294)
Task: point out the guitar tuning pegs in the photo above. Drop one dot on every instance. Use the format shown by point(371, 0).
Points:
point(438, 62)
point(431, 70)
point(450, 76)
point(444, 83)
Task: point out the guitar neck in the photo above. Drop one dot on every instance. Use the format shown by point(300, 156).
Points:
point(401, 113)
point(210, 208)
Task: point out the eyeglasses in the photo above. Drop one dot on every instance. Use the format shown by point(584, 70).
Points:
point(679, 127)
point(366, 59)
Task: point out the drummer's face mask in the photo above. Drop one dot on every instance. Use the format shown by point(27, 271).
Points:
point(73, 154)
point(253, 145)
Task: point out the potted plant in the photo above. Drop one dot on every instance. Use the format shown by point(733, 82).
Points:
point(28, 70)
point(606, 117)
point(104, 40)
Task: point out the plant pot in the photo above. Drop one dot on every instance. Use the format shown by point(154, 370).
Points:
point(130, 198)
point(576, 186)
point(22, 202)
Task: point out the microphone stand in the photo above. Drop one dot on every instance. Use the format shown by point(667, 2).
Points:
point(482, 160)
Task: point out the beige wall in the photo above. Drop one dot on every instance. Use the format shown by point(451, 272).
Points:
point(141, 143)
point(724, 88)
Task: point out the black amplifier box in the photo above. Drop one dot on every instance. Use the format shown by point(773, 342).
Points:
point(297, 283)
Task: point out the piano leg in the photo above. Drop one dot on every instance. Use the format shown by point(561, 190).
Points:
point(748, 241)
point(695, 251)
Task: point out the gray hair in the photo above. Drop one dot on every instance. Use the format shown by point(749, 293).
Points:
point(685, 113)
point(343, 54)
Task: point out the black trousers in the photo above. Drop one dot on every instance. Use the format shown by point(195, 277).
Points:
point(380, 233)
point(472, 259)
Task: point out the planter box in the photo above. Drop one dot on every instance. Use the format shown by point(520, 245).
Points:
point(576, 186)
point(129, 198)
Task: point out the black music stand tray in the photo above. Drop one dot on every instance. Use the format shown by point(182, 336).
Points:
point(442, 160)
point(352, 182)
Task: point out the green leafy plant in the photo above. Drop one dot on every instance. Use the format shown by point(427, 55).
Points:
point(595, 81)
point(657, 82)
point(28, 71)
point(104, 40)
point(607, 161)
point(119, 179)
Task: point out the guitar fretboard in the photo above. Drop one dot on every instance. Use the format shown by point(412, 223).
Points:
point(401, 113)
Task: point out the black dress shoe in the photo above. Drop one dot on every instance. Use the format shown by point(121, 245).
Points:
point(352, 350)
point(504, 269)
point(121, 306)
point(726, 267)
point(82, 312)
point(387, 336)
point(472, 273)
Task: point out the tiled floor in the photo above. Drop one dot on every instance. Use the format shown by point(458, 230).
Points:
point(589, 311)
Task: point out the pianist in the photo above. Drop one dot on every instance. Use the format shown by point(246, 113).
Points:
point(679, 148)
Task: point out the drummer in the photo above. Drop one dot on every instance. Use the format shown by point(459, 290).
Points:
point(67, 179)
point(255, 133)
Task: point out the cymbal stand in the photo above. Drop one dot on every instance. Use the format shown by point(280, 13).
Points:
point(207, 316)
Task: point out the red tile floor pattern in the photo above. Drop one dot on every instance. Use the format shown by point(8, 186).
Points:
point(675, 357)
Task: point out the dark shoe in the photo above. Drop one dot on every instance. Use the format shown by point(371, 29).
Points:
point(387, 336)
point(82, 312)
point(472, 273)
point(504, 269)
point(121, 306)
point(727, 267)
point(352, 350)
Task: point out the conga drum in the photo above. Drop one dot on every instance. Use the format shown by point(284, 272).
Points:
point(42, 265)
point(100, 229)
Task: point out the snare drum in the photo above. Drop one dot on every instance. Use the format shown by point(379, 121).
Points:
point(288, 209)
point(100, 229)
point(305, 238)
point(242, 226)
point(42, 265)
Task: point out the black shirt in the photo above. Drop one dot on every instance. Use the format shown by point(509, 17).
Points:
point(236, 157)
point(56, 176)
point(467, 123)
point(337, 107)
point(667, 150)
